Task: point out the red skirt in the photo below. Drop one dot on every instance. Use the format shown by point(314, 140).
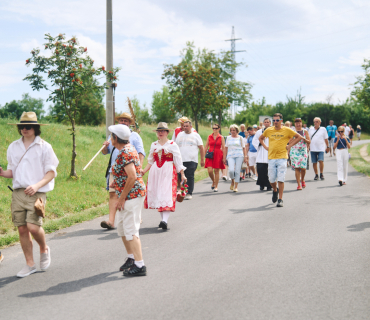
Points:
point(216, 162)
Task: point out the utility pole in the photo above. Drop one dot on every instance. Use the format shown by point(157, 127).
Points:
point(109, 92)
point(232, 40)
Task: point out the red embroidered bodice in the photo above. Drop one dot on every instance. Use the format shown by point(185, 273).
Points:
point(160, 157)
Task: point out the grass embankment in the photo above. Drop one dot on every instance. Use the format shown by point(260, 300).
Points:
point(358, 162)
point(72, 201)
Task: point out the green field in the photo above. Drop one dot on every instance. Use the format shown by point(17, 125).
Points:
point(71, 201)
point(358, 162)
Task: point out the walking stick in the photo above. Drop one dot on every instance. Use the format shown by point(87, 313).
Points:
point(95, 156)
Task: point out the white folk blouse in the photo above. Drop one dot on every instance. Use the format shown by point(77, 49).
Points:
point(262, 153)
point(36, 163)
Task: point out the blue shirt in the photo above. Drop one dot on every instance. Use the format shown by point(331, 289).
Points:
point(251, 146)
point(331, 130)
point(242, 134)
point(135, 140)
point(342, 143)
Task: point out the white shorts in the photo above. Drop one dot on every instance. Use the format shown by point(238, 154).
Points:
point(128, 219)
point(252, 157)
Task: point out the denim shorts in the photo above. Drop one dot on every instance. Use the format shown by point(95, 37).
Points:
point(317, 156)
point(277, 170)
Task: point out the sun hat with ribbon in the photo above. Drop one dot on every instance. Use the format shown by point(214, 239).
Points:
point(183, 119)
point(162, 126)
point(125, 115)
point(121, 131)
point(28, 118)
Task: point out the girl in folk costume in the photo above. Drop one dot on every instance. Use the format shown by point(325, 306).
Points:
point(164, 163)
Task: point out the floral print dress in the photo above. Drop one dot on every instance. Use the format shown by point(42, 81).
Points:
point(299, 154)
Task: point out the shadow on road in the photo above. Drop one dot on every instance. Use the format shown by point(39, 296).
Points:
point(266, 207)
point(74, 286)
point(107, 234)
point(153, 230)
point(7, 280)
point(359, 227)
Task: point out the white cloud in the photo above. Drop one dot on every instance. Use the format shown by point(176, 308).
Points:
point(29, 45)
point(356, 58)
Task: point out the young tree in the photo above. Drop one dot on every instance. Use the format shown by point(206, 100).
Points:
point(70, 74)
point(161, 106)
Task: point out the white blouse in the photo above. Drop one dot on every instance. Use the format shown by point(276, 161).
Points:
point(35, 164)
point(262, 153)
point(169, 147)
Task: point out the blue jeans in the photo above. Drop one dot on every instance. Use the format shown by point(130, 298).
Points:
point(235, 166)
point(317, 156)
point(277, 170)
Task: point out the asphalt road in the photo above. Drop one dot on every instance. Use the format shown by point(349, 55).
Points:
point(226, 256)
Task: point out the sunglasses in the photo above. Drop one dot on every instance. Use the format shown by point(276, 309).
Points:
point(340, 131)
point(27, 127)
point(215, 128)
point(274, 120)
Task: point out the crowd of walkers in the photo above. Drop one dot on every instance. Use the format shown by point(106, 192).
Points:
point(261, 153)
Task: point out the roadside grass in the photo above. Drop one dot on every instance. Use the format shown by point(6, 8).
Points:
point(72, 201)
point(359, 163)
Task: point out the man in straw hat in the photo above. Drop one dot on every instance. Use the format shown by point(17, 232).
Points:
point(32, 165)
point(182, 120)
point(137, 142)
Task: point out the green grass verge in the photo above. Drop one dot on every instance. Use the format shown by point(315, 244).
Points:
point(359, 163)
point(69, 202)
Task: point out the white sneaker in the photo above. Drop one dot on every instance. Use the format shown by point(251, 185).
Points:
point(254, 177)
point(224, 178)
point(26, 271)
point(45, 260)
point(188, 197)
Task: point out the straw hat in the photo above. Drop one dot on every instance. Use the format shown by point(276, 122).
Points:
point(125, 115)
point(28, 118)
point(162, 126)
point(183, 119)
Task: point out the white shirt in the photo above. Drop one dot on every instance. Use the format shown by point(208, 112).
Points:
point(347, 130)
point(235, 147)
point(174, 135)
point(188, 144)
point(318, 143)
point(262, 153)
point(35, 164)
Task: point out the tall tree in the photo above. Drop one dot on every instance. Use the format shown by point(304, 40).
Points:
point(361, 91)
point(65, 67)
point(14, 109)
point(161, 106)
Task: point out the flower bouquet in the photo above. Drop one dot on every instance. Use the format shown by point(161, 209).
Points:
point(182, 193)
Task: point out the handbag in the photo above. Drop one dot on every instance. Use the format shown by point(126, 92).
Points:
point(244, 166)
point(209, 154)
point(40, 207)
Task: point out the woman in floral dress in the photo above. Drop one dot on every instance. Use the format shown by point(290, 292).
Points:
point(299, 154)
point(164, 162)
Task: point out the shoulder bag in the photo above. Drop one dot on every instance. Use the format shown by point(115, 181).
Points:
point(209, 154)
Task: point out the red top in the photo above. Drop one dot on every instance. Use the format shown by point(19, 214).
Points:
point(216, 162)
point(161, 157)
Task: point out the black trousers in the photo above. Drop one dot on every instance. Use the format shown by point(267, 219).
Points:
point(189, 174)
point(263, 178)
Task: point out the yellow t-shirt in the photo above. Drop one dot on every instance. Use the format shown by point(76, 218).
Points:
point(278, 140)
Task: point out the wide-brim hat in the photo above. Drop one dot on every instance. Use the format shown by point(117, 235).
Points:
point(125, 115)
point(162, 126)
point(28, 118)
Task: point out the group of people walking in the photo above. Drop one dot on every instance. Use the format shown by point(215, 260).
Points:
point(171, 167)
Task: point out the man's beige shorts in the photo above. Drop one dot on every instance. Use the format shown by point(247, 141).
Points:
point(23, 208)
point(111, 179)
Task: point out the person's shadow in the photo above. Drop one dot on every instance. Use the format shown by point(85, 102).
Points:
point(359, 227)
point(7, 280)
point(76, 285)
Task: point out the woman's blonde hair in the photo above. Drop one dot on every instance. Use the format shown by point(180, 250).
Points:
point(340, 128)
point(234, 126)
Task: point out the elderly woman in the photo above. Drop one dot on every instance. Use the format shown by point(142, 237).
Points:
point(164, 163)
point(299, 154)
point(216, 145)
point(342, 143)
point(235, 155)
point(130, 189)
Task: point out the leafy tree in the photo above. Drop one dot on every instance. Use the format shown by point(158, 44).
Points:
point(202, 83)
point(141, 113)
point(161, 106)
point(14, 109)
point(70, 73)
point(361, 91)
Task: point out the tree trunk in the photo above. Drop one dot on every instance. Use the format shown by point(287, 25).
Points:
point(196, 119)
point(220, 119)
point(74, 154)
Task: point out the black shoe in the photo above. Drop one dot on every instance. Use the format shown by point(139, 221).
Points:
point(262, 188)
point(280, 203)
point(340, 183)
point(163, 225)
point(269, 189)
point(128, 264)
point(322, 176)
point(212, 188)
point(316, 177)
point(135, 271)
point(275, 195)
point(249, 175)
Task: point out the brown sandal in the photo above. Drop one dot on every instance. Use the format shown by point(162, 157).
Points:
point(106, 225)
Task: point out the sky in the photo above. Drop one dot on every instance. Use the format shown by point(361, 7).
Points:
point(315, 46)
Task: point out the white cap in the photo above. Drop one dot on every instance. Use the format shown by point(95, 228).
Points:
point(254, 126)
point(121, 131)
